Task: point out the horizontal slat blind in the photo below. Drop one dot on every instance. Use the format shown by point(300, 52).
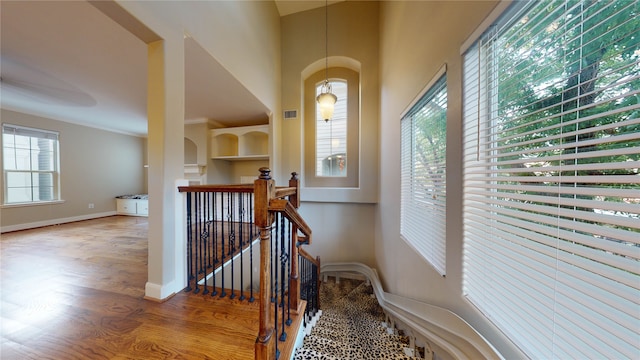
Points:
point(423, 193)
point(29, 132)
point(551, 142)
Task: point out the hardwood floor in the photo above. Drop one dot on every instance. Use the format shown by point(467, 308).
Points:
point(75, 291)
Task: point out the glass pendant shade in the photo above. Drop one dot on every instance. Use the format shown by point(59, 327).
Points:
point(326, 101)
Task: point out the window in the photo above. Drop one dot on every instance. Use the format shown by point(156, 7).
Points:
point(30, 163)
point(551, 107)
point(423, 175)
point(331, 136)
point(332, 147)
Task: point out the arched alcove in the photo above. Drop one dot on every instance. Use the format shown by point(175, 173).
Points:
point(190, 152)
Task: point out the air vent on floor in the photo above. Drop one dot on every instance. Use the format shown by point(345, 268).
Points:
point(291, 114)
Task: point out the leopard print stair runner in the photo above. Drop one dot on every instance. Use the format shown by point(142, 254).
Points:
point(351, 327)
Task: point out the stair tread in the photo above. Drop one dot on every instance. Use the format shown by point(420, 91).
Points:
point(308, 354)
point(337, 335)
point(319, 341)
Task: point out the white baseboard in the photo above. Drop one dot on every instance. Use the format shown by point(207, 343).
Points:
point(159, 292)
point(50, 222)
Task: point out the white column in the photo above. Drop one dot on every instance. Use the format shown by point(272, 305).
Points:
point(165, 111)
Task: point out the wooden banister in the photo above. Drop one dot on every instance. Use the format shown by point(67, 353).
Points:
point(308, 256)
point(282, 192)
point(244, 188)
point(285, 207)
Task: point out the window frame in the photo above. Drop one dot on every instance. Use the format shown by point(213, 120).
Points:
point(351, 180)
point(32, 133)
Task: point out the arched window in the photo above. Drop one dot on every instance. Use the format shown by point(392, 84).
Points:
point(332, 147)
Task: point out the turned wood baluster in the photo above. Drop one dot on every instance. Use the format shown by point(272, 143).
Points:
point(264, 188)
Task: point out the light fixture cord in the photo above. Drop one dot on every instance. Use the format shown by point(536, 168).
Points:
point(326, 42)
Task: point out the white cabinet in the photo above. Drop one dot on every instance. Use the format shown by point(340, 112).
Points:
point(240, 143)
point(136, 207)
point(142, 207)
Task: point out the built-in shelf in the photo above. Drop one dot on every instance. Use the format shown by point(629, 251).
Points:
point(240, 143)
point(194, 169)
point(240, 158)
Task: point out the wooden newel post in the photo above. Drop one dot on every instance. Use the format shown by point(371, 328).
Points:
point(295, 182)
point(294, 278)
point(264, 188)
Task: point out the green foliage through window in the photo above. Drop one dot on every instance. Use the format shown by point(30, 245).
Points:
point(552, 188)
point(423, 175)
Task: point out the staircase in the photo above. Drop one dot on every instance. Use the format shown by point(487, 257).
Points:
point(245, 242)
point(351, 325)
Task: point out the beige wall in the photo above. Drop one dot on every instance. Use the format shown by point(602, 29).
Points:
point(417, 39)
point(352, 43)
point(342, 219)
point(199, 134)
point(95, 167)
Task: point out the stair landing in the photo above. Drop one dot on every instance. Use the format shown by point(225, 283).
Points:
point(231, 325)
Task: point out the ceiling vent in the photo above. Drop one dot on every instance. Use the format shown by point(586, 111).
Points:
point(290, 114)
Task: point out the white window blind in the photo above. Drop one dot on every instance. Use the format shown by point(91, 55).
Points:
point(30, 164)
point(423, 169)
point(551, 107)
point(331, 136)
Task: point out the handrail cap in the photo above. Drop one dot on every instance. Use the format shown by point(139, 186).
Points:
point(265, 173)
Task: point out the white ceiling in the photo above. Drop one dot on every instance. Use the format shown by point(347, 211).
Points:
point(68, 61)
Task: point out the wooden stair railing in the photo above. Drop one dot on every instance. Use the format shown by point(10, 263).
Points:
point(223, 221)
point(220, 227)
point(272, 203)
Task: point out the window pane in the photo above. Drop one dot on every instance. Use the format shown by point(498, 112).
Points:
point(19, 187)
point(35, 153)
point(9, 158)
point(423, 175)
point(19, 195)
point(551, 196)
point(23, 159)
point(331, 136)
point(18, 179)
point(22, 142)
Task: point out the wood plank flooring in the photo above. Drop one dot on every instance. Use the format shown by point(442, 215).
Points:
point(75, 291)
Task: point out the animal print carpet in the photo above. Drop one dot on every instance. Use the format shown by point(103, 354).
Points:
point(351, 326)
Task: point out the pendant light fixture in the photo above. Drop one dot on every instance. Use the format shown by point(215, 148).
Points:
point(326, 100)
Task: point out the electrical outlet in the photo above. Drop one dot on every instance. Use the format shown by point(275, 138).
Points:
point(91, 206)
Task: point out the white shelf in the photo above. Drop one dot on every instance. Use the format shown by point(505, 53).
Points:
point(240, 143)
point(241, 158)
